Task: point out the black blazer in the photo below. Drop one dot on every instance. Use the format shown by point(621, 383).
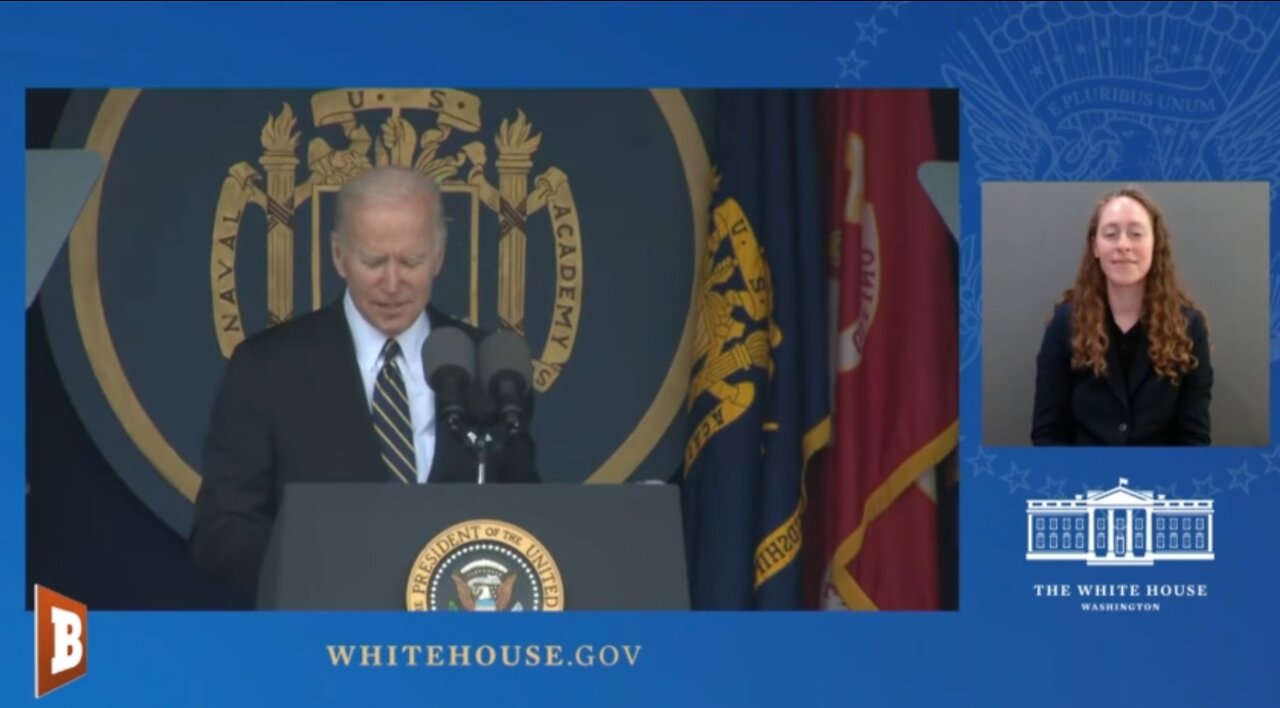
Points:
point(292, 408)
point(1074, 407)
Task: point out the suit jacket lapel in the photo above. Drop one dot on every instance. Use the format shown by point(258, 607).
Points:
point(334, 369)
point(1115, 375)
point(452, 461)
point(1141, 361)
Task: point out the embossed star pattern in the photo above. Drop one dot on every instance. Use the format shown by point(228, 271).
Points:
point(851, 65)
point(1241, 477)
point(1204, 488)
point(982, 463)
point(1052, 489)
point(892, 7)
point(1017, 478)
point(1273, 462)
point(870, 32)
point(1170, 492)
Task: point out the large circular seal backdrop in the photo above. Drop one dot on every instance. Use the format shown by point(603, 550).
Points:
point(574, 219)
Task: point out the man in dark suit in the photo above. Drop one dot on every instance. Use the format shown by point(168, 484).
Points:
point(340, 395)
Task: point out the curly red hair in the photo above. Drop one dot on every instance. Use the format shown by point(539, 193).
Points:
point(1163, 301)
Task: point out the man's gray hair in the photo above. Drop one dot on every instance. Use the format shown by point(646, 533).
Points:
point(391, 184)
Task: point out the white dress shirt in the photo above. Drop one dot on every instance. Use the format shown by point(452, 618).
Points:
point(422, 405)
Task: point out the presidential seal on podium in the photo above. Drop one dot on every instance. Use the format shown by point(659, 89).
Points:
point(485, 566)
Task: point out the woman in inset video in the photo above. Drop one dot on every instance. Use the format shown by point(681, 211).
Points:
point(1125, 357)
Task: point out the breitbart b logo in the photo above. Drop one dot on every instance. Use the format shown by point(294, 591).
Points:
point(62, 640)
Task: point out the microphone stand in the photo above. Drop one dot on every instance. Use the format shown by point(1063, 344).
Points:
point(480, 439)
point(479, 445)
point(478, 436)
point(477, 440)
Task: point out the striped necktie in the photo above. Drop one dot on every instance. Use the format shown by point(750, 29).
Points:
point(391, 419)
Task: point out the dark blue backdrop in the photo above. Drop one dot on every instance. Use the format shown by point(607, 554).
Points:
point(1213, 66)
point(87, 533)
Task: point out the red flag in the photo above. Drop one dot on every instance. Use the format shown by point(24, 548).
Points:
point(896, 401)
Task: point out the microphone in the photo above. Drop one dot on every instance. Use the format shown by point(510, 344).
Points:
point(448, 359)
point(505, 373)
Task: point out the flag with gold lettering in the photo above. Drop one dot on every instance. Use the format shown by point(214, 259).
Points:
point(757, 400)
point(874, 517)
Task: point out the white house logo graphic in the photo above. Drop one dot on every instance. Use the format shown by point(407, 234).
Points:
point(1119, 526)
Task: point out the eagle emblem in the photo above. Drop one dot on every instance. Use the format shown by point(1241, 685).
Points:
point(485, 566)
point(485, 586)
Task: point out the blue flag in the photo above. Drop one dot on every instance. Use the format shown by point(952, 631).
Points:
point(758, 395)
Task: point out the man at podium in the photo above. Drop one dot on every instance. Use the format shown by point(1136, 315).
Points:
point(341, 395)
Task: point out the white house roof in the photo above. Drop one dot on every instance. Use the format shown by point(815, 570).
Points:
point(1120, 495)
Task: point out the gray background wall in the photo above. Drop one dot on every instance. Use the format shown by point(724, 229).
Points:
point(1033, 236)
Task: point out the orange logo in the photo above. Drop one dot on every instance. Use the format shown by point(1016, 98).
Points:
point(62, 640)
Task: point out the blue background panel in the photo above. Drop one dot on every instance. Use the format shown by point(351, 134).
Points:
point(1004, 646)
